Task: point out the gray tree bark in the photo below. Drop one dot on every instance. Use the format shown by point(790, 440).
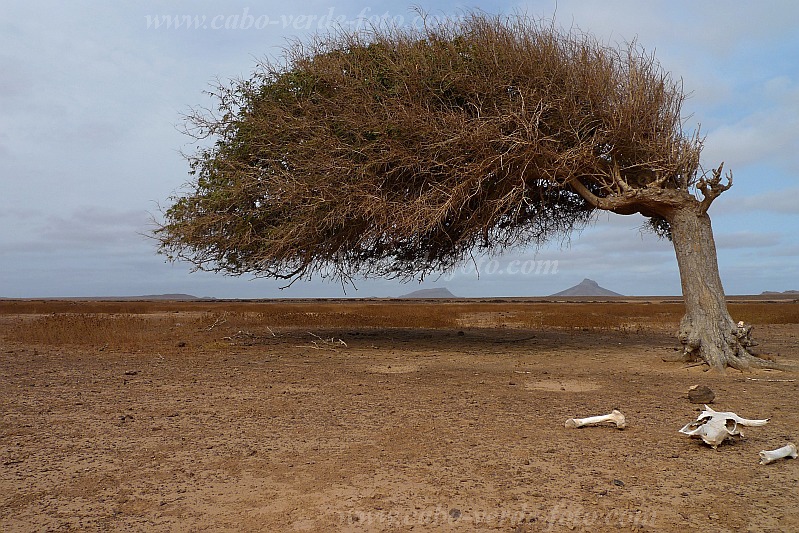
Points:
point(707, 330)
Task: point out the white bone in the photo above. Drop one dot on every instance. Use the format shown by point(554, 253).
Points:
point(769, 456)
point(713, 431)
point(616, 417)
point(710, 413)
point(714, 427)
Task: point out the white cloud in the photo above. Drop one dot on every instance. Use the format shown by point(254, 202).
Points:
point(765, 136)
point(785, 201)
point(88, 228)
point(92, 96)
point(747, 240)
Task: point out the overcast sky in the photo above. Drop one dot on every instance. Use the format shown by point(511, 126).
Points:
point(91, 97)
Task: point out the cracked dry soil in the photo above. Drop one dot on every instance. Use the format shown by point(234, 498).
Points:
point(394, 429)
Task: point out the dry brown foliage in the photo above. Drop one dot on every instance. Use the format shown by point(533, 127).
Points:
point(139, 325)
point(400, 151)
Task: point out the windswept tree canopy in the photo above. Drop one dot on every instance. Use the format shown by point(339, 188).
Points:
point(399, 151)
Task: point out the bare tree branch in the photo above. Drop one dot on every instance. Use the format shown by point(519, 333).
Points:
point(712, 187)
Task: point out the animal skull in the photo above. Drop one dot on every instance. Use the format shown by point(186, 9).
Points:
point(769, 456)
point(708, 412)
point(616, 417)
point(714, 427)
point(713, 431)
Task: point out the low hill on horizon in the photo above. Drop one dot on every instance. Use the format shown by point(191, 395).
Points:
point(437, 292)
point(587, 287)
point(176, 297)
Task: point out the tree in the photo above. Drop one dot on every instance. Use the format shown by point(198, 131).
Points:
point(398, 152)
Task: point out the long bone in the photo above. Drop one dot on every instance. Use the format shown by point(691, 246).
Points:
point(769, 456)
point(616, 417)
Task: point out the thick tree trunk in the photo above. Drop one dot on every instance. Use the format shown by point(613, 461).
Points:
point(707, 330)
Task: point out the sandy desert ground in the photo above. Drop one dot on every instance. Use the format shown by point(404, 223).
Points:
point(381, 416)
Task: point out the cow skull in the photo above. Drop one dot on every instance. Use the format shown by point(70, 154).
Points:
point(714, 427)
point(616, 417)
point(769, 456)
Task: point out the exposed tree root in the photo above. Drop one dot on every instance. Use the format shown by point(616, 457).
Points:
point(700, 339)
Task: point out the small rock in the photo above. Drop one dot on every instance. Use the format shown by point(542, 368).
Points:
point(455, 513)
point(618, 482)
point(701, 394)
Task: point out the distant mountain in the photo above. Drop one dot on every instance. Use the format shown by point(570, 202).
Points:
point(587, 287)
point(778, 292)
point(166, 297)
point(438, 292)
point(146, 297)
